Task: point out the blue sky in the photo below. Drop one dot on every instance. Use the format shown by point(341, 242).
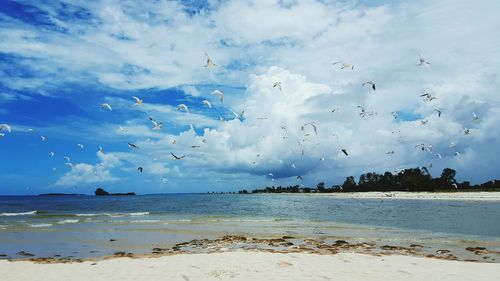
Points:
point(60, 61)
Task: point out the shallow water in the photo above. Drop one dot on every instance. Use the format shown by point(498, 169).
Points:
point(82, 226)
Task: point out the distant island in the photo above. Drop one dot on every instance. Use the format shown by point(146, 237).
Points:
point(410, 180)
point(102, 192)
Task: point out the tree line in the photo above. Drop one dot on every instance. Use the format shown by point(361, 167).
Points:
point(412, 180)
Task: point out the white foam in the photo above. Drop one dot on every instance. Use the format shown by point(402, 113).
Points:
point(67, 221)
point(140, 214)
point(41, 225)
point(17, 214)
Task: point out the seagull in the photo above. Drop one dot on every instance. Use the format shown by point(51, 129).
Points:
point(6, 127)
point(344, 65)
point(474, 115)
point(394, 114)
point(369, 83)
point(139, 169)
point(43, 138)
point(452, 144)
point(439, 111)
point(207, 103)
point(222, 119)
point(210, 62)
point(344, 151)
point(30, 130)
point(122, 129)
point(293, 165)
point(101, 149)
point(277, 84)
point(335, 109)
point(106, 105)
point(428, 96)
point(363, 111)
point(424, 147)
point(457, 153)
point(51, 154)
point(138, 101)
point(300, 178)
point(220, 94)
point(422, 60)
point(423, 122)
point(182, 107)
point(69, 164)
point(80, 145)
point(177, 157)
point(66, 158)
point(454, 185)
point(390, 152)
point(303, 127)
point(156, 125)
point(174, 141)
point(132, 145)
point(195, 146)
point(239, 115)
point(467, 131)
point(439, 156)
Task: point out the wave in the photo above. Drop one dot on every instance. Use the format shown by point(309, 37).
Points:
point(144, 221)
point(67, 221)
point(114, 215)
point(40, 225)
point(18, 214)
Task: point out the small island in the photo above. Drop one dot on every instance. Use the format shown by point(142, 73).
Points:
point(102, 192)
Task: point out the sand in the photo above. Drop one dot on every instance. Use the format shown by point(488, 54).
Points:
point(459, 196)
point(246, 265)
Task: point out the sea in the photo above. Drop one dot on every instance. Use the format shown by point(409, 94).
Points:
point(96, 226)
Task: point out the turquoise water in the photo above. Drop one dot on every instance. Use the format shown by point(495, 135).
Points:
point(82, 226)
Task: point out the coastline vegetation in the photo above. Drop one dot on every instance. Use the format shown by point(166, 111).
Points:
point(410, 180)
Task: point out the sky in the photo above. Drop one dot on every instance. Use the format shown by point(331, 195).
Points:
point(61, 60)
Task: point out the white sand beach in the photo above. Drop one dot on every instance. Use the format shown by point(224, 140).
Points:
point(467, 196)
point(245, 265)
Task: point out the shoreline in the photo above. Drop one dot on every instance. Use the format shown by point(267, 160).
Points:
point(281, 245)
point(391, 195)
point(248, 265)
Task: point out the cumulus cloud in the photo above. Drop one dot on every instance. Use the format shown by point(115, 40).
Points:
point(130, 47)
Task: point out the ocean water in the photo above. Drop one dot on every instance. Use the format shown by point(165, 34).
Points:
point(82, 226)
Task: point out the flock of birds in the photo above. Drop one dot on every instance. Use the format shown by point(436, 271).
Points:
point(363, 112)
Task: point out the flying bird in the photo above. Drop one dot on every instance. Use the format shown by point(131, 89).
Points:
point(422, 61)
point(303, 127)
point(177, 157)
point(277, 85)
point(344, 65)
point(439, 111)
point(475, 117)
point(207, 103)
point(335, 109)
point(467, 131)
point(363, 111)
point(424, 147)
point(439, 156)
point(220, 94)
point(138, 101)
point(344, 151)
point(101, 149)
point(300, 178)
point(43, 138)
point(107, 105)
point(423, 122)
point(369, 83)
point(182, 107)
point(156, 125)
point(390, 152)
point(139, 169)
point(80, 145)
point(239, 115)
point(51, 154)
point(68, 164)
point(394, 114)
point(5, 127)
point(66, 158)
point(132, 145)
point(210, 62)
point(428, 96)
